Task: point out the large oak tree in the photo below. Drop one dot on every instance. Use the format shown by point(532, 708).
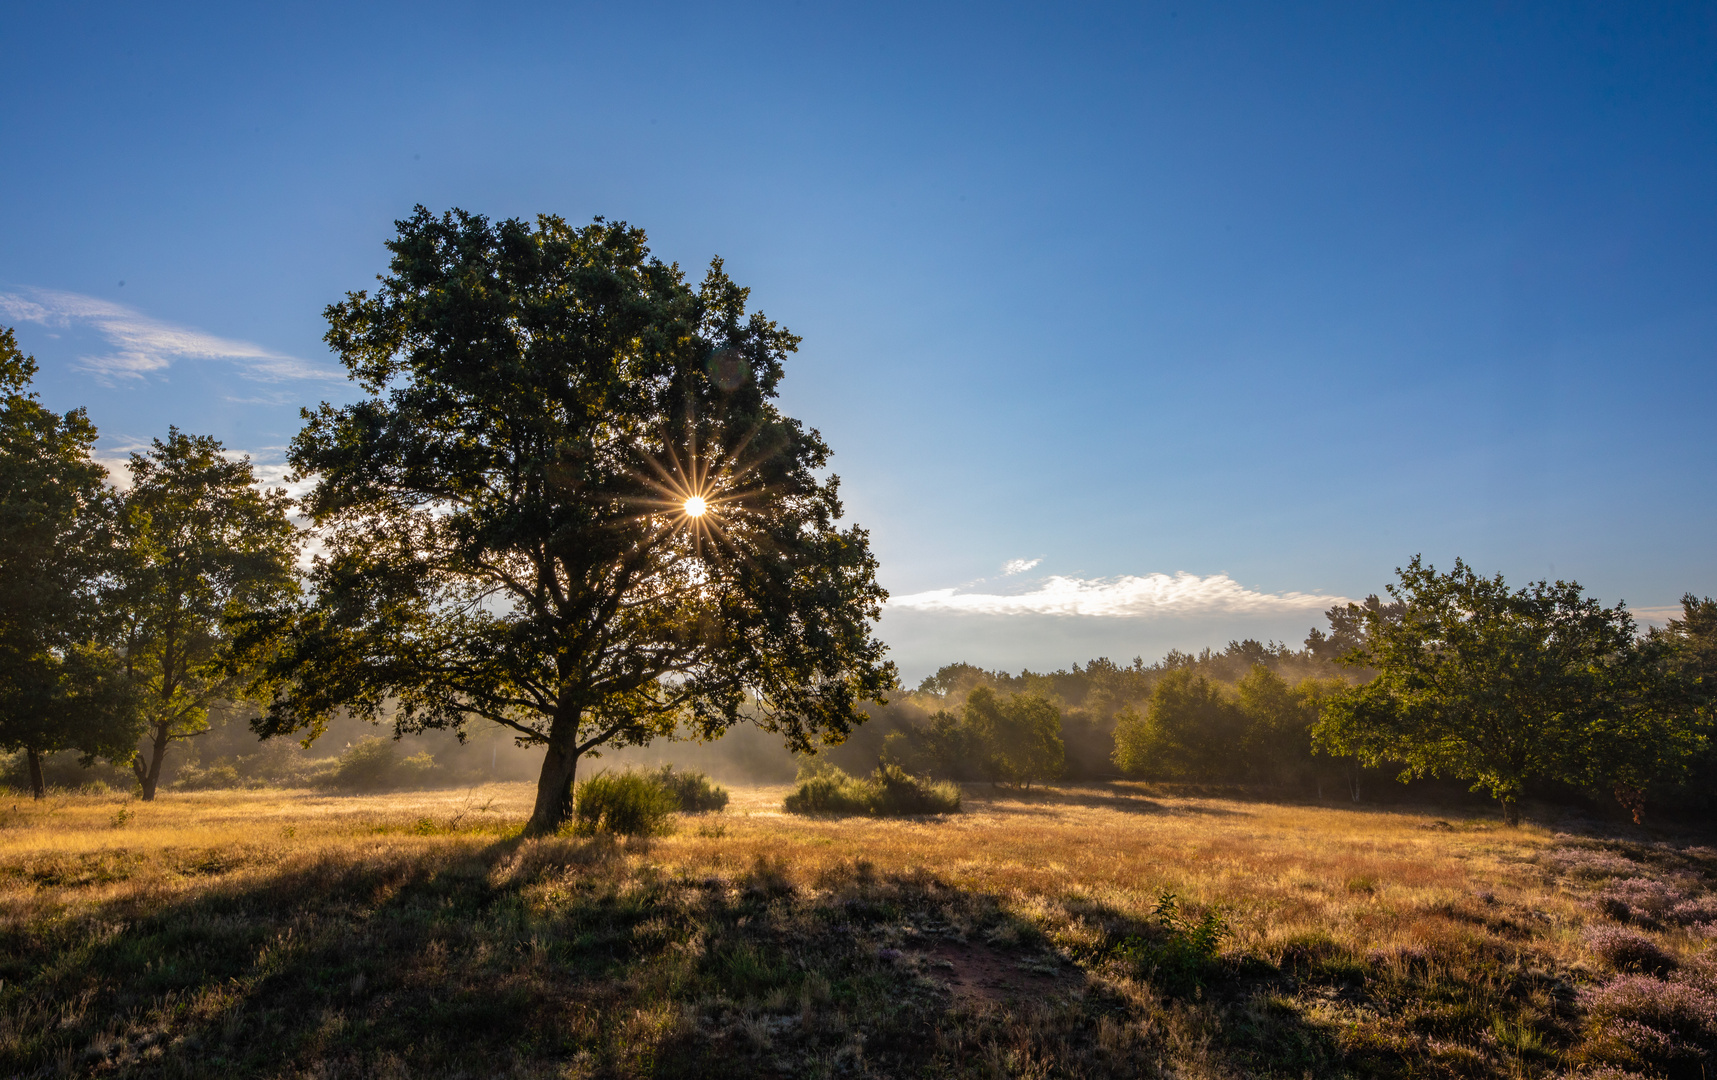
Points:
point(568, 504)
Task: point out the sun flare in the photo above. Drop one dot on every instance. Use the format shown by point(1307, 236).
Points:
point(695, 506)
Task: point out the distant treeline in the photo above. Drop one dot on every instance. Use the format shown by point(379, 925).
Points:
point(1455, 684)
point(1240, 715)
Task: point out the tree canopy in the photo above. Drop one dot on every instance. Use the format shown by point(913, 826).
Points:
point(204, 546)
point(568, 504)
point(59, 688)
point(1498, 687)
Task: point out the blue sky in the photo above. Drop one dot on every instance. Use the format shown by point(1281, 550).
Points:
point(1218, 312)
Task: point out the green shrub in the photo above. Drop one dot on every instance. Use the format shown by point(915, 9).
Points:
point(193, 777)
point(625, 804)
point(1183, 953)
point(692, 791)
point(889, 792)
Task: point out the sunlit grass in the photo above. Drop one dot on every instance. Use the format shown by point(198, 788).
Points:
point(294, 931)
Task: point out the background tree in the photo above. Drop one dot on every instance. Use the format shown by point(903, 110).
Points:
point(1017, 737)
point(1193, 730)
point(58, 686)
point(942, 745)
point(206, 546)
point(1659, 741)
point(1349, 627)
point(569, 506)
point(1277, 744)
point(1484, 684)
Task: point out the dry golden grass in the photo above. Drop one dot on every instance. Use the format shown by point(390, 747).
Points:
point(297, 933)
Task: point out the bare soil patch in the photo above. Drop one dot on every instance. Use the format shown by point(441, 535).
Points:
point(982, 974)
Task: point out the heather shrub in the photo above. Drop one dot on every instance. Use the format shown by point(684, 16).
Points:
point(1626, 950)
point(889, 792)
point(1586, 864)
point(692, 791)
point(624, 804)
point(1670, 1026)
point(1701, 909)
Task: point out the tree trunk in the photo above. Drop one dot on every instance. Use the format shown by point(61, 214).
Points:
point(38, 786)
point(1510, 812)
point(150, 777)
point(1633, 801)
point(554, 789)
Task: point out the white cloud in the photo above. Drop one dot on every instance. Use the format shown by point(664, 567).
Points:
point(1128, 596)
point(1018, 566)
point(1655, 616)
point(142, 345)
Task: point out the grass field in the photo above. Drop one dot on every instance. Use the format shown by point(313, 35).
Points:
point(296, 934)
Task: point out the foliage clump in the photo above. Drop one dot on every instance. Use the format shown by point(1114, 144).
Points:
point(1183, 952)
point(623, 804)
point(1628, 950)
point(1502, 688)
point(692, 790)
point(890, 791)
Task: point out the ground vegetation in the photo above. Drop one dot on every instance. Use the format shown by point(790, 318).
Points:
point(1113, 930)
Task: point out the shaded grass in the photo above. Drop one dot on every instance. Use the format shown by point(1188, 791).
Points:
point(276, 934)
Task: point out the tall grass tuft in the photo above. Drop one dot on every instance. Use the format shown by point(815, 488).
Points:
point(692, 791)
point(624, 804)
point(889, 792)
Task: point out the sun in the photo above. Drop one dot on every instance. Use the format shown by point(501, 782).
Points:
point(695, 506)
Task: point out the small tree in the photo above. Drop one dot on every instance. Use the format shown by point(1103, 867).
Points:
point(1491, 685)
point(59, 687)
point(206, 546)
point(569, 506)
point(1018, 736)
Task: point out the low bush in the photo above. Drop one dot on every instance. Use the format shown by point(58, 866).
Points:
point(1626, 950)
point(1670, 1026)
point(889, 792)
point(1182, 953)
point(194, 777)
point(624, 804)
point(692, 791)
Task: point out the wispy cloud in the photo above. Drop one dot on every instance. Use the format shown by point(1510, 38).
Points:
point(1128, 596)
point(142, 345)
point(1656, 616)
point(1018, 566)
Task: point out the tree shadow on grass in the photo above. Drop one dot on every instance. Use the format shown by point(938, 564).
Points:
point(1049, 801)
point(476, 957)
